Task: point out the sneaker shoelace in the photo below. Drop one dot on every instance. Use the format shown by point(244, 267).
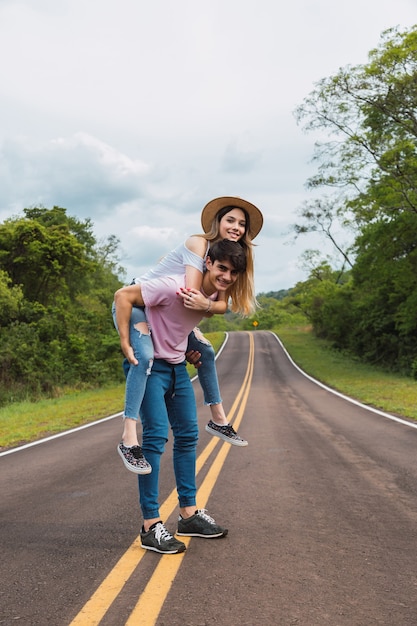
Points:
point(225, 428)
point(203, 513)
point(229, 430)
point(136, 452)
point(161, 533)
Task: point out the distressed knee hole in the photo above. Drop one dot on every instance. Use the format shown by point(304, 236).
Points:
point(200, 337)
point(142, 328)
point(148, 371)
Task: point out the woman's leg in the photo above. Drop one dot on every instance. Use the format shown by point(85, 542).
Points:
point(136, 379)
point(207, 376)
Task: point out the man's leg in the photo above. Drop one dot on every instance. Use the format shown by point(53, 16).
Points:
point(154, 535)
point(182, 414)
point(155, 426)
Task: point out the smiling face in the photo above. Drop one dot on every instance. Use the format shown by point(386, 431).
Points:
point(220, 276)
point(232, 225)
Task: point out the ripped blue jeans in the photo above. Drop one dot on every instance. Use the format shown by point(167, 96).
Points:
point(207, 373)
point(137, 375)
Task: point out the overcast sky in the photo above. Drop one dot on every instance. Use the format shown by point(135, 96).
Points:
point(135, 113)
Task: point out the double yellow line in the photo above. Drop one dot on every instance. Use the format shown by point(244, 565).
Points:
point(153, 597)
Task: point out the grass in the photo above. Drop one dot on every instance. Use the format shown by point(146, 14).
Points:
point(389, 392)
point(23, 422)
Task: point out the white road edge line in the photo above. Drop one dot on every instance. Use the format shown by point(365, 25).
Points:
point(100, 421)
point(341, 395)
point(64, 432)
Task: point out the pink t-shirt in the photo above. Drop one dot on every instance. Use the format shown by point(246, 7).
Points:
point(170, 321)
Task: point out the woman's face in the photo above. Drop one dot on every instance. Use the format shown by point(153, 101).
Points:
point(232, 225)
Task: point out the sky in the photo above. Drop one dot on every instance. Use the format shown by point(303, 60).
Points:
point(135, 114)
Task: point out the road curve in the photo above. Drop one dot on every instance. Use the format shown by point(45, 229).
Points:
point(321, 509)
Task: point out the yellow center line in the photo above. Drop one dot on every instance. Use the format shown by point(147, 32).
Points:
point(154, 594)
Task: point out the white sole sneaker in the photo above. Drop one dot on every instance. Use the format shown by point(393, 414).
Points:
point(226, 433)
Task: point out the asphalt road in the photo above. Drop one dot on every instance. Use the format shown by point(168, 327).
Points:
point(321, 509)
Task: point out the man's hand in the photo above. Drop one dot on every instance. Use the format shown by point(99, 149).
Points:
point(193, 357)
point(129, 354)
point(124, 299)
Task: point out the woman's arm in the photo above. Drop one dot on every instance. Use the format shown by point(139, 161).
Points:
point(219, 307)
point(194, 279)
point(193, 276)
point(200, 302)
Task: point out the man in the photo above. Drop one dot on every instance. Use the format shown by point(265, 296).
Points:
point(172, 312)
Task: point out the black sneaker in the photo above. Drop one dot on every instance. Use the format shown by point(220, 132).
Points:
point(160, 540)
point(227, 433)
point(200, 525)
point(133, 459)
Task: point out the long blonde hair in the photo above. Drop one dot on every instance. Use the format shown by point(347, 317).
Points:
point(242, 292)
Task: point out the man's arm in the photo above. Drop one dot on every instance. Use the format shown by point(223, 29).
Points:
point(124, 299)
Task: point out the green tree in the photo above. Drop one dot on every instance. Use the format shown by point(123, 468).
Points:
point(369, 165)
point(385, 279)
point(11, 298)
point(56, 289)
point(369, 111)
point(44, 256)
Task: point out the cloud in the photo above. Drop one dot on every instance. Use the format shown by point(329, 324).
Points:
point(78, 171)
point(136, 120)
point(240, 160)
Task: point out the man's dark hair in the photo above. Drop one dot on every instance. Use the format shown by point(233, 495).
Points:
point(231, 251)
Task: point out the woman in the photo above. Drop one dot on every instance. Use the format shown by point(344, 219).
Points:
point(222, 218)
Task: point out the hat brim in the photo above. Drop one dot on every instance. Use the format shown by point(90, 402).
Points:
point(214, 206)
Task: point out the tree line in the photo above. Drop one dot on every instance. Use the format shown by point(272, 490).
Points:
point(363, 296)
point(56, 288)
point(364, 299)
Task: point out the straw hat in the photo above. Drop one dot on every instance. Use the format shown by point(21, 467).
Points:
point(213, 207)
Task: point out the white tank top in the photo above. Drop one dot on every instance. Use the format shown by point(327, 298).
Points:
point(174, 263)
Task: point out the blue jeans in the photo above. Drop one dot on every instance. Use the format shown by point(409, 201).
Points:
point(136, 375)
point(169, 401)
point(207, 373)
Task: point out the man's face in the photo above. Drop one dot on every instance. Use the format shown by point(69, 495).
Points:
point(221, 274)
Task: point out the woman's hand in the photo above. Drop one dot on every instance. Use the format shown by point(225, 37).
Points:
point(194, 299)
